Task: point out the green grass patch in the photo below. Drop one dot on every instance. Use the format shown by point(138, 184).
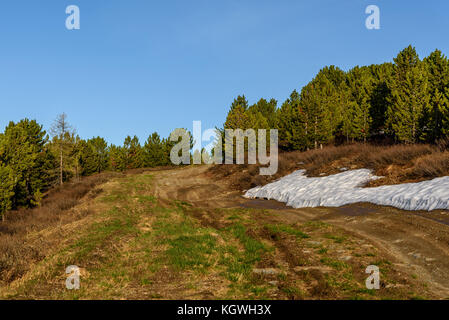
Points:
point(120, 223)
point(336, 264)
point(190, 251)
point(322, 251)
point(146, 199)
point(337, 239)
point(189, 246)
point(381, 263)
point(253, 248)
point(293, 292)
point(276, 229)
point(317, 224)
point(239, 263)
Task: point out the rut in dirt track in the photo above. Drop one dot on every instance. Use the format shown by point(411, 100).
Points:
point(417, 242)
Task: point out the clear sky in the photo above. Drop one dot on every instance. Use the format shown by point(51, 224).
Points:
point(138, 66)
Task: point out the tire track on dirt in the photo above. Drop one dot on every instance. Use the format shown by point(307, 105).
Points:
point(417, 244)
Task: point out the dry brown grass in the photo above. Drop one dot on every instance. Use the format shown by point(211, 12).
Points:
point(16, 254)
point(430, 166)
point(396, 163)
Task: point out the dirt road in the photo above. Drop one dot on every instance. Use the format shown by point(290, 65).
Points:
point(184, 234)
point(417, 243)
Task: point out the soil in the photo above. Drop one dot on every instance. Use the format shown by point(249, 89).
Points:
point(416, 242)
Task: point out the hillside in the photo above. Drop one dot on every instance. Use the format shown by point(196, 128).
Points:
point(180, 234)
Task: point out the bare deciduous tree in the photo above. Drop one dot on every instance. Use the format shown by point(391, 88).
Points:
point(60, 129)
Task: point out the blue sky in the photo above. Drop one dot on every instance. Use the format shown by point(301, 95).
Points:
point(139, 66)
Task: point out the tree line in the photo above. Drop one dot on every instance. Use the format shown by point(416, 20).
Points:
point(406, 101)
point(32, 161)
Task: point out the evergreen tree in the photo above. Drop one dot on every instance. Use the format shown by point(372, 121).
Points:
point(76, 155)
point(241, 102)
point(7, 184)
point(409, 96)
point(133, 153)
point(93, 155)
point(237, 118)
point(445, 115)
point(64, 149)
point(265, 112)
point(167, 145)
point(357, 116)
point(380, 95)
point(334, 74)
point(154, 151)
point(437, 65)
point(22, 149)
point(117, 158)
point(319, 103)
point(438, 120)
point(333, 92)
point(438, 74)
point(83, 159)
point(99, 147)
point(291, 124)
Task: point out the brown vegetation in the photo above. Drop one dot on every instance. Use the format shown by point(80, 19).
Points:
point(396, 164)
point(16, 253)
point(148, 236)
point(177, 234)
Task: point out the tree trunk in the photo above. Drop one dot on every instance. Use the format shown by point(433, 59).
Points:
point(60, 168)
point(364, 128)
point(307, 135)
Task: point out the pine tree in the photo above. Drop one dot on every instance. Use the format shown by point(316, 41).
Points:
point(6, 189)
point(321, 105)
point(154, 149)
point(291, 124)
point(437, 65)
point(241, 102)
point(357, 117)
point(333, 88)
point(266, 110)
point(409, 97)
point(439, 116)
point(167, 145)
point(380, 96)
point(65, 150)
point(237, 118)
point(438, 73)
point(117, 158)
point(22, 149)
point(307, 105)
point(83, 159)
point(134, 153)
point(99, 147)
point(76, 155)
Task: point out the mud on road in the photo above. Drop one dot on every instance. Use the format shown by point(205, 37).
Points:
point(416, 243)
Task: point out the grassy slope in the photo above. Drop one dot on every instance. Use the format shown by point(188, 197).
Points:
point(135, 246)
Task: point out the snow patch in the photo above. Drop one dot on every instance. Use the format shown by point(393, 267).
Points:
point(299, 191)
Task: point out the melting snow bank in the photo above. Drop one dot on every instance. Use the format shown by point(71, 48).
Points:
point(299, 191)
